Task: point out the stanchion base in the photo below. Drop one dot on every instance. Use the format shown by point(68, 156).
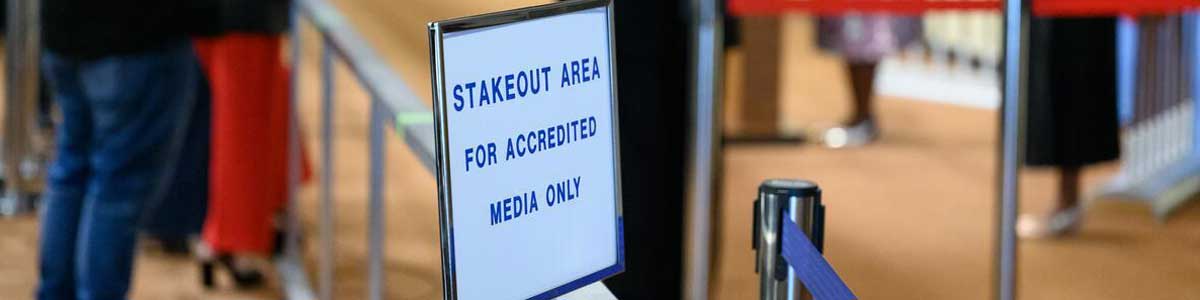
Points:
point(293, 277)
point(12, 206)
point(781, 139)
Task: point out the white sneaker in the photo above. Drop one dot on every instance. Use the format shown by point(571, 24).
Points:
point(855, 135)
point(1060, 223)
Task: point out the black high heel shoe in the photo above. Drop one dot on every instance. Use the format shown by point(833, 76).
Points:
point(242, 278)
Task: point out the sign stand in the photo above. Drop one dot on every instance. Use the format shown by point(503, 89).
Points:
point(595, 291)
point(528, 161)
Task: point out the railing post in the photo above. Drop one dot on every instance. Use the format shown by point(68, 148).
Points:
point(326, 268)
point(375, 207)
point(291, 242)
point(290, 264)
point(1016, 38)
point(802, 200)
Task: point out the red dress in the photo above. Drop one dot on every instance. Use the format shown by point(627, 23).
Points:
point(250, 121)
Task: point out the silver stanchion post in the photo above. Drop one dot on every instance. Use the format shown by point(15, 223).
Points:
point(707, 52)
point(23, 47)
point(801, 199)
point(1012, 140)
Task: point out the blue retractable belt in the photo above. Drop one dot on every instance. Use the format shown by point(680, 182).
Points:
point(812, 269)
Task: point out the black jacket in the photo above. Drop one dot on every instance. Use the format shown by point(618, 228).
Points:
point(86, 29)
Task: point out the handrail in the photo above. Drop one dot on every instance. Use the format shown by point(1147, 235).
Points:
point(374, 73)
point(392, 102)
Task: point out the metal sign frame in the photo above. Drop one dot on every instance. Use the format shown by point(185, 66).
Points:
point(437, 31)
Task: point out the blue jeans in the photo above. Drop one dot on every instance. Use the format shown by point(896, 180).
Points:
point(180, 215)
point(123, 120)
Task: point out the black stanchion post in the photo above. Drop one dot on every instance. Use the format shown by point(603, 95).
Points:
point(801, 199)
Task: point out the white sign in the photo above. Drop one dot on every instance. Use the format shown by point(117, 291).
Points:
point(527, 158)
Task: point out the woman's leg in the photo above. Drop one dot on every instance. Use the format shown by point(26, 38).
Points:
point(859, 129)
point(862, 83)
point(1068, 188)
point(1066, 216)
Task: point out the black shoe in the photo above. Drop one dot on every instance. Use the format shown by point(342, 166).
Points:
point(242, 278)
point(206, 275)
point(280, 238)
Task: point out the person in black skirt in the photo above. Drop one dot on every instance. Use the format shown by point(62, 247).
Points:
point(1072, 111)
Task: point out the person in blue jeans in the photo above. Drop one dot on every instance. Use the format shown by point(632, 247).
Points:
point(123, 120)
point(178, 217)
point(126, 79)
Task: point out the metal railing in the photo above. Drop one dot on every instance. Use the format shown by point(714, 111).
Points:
point(1160, 165)
point(391, 103)
point(1012, 126)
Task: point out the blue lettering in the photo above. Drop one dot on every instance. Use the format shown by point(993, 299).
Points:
point(592, 126)
point(496, 213)
point(458, 103)
point(566, 79)
point(491, 153)
point(577, 179)
point(550, 137)
point(522, 84)
point(583, 129)
point(508, 209)
point(529, 140)
point(575, 129)
point(574, 72)
point(571, 193)
point(595, 68)
point(546, 77)
point(510, 154)
point(479, 163)
point(561, 191)
point(518, 206)
point(497, 96)
point(470, 91)
point(468, 159)
point(533, 201)
point(550, 195)
point(508, 87)
point(586, 73)
point(562, 132)
point(488, 154)
point(541, 139)
point(483, 94)
point(520, 149)
point(535, 81)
